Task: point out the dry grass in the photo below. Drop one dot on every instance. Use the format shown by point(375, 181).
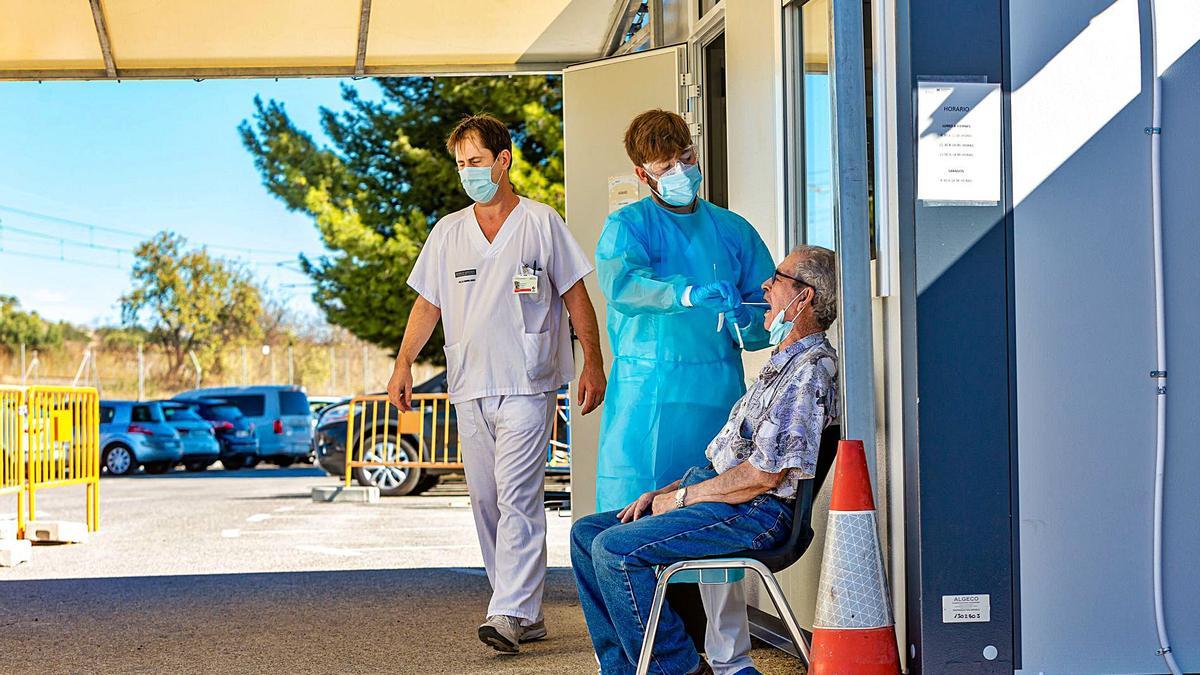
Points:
point(322, 369)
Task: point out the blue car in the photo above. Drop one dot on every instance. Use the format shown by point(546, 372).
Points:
point(134, 434)
point(199, 439)
point(239, 443)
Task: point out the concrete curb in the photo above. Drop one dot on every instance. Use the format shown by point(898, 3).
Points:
point(62, 531)
point(13, 552)
point(355, 494)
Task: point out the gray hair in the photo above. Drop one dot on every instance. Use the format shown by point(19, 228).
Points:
point(818, 268)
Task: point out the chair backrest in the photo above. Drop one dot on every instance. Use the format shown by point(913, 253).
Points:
point(784, 556)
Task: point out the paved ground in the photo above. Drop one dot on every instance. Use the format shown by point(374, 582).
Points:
point(241, 572)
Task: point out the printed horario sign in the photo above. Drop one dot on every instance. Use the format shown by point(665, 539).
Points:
point(959, 143)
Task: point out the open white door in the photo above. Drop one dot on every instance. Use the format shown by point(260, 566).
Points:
point(599, 100)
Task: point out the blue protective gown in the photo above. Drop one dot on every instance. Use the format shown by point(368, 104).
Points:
point(674, 378)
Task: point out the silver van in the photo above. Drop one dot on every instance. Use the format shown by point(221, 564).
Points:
point(134, 434)
point(280, 413)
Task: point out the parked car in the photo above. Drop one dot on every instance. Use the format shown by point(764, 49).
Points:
point(318, 403)
point(234, 431)
point(280, 415)
point(200, 445)
point(134, 434)
point(329, 444)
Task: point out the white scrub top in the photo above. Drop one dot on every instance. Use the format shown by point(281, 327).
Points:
point(499, 342)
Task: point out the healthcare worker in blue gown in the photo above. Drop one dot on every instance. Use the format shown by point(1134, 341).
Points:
point(674, 267)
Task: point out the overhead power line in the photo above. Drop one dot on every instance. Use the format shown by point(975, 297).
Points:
point(132, 233)
point(60, 259)
point(290, 264)
point(63, 243)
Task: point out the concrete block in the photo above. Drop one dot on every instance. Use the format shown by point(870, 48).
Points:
point(355, 494)
point(13, 552)
point(8, 530)
point(63, 531)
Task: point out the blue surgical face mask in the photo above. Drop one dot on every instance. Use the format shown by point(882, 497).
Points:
point(679, 185)
point(477, 181)
point(779, 328)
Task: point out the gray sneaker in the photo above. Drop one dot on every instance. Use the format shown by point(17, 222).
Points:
point(533, 632)
point(502, 633)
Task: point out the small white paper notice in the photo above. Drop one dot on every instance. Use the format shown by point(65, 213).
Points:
point(966, 608)
point(958, 143)
point(623, 191)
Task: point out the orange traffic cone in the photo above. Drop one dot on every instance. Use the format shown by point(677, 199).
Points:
point(853, 632)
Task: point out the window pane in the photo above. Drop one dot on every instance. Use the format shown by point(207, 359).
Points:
point(180, 414)
point(220, 412)
point(145, 413)
point(715, 131)
point(818, 125)
point(293, 403)
point(251, 406)
point(107, 414)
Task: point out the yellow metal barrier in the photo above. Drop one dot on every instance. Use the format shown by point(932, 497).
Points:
point(63, 445)
point(12, 444)
point(371, 430)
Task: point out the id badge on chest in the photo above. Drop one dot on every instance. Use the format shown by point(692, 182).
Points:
point(525, 281)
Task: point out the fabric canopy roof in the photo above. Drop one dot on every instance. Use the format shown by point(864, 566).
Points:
point(110, 39)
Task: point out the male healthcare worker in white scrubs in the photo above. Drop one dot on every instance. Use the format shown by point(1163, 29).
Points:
point(676, 271)
point(498, 274)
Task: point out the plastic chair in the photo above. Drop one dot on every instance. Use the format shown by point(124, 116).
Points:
point(731, 569)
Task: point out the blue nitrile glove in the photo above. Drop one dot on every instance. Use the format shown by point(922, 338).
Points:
point(718, 296)
point(739, 316)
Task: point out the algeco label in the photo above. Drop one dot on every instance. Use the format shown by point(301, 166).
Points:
point(966, 608)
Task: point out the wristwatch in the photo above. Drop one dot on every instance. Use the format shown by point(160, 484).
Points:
point(680, 494)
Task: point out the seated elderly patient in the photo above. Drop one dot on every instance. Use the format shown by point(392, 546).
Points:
point(741, 501)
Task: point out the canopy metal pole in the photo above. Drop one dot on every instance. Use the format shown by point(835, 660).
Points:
point(852, 223)
point(110, 65)
point(364, 25)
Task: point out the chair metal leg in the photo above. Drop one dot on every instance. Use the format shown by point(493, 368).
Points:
point(785, 610)
point(660, 594)
point(774, 590)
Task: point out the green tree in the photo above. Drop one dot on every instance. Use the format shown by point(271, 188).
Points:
point(20, 327)
point(386, 178)
point(189, 301)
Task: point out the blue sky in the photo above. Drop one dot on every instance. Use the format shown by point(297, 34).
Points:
point(143, 157)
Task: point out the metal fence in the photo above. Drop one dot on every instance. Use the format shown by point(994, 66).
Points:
point(132, 371)
point(426, 437)
point(12, 453)
point(62, 447)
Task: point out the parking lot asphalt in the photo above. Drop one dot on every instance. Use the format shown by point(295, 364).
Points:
point(240, 572)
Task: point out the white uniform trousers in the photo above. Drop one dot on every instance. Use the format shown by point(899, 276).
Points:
point(504, 441)
point(727, 640)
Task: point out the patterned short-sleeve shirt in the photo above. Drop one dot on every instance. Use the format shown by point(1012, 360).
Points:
point(777, 425)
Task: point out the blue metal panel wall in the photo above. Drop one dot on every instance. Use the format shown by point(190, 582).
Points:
point(957, 278)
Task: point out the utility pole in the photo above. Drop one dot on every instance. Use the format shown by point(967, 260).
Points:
point(366, 372)
point(22, 364)
point(141, 367)
point(291, 366)
point(332, 371)
point(245, 374)
point(196, 365)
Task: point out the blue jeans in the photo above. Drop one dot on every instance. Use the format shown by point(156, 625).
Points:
point(615, 563)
